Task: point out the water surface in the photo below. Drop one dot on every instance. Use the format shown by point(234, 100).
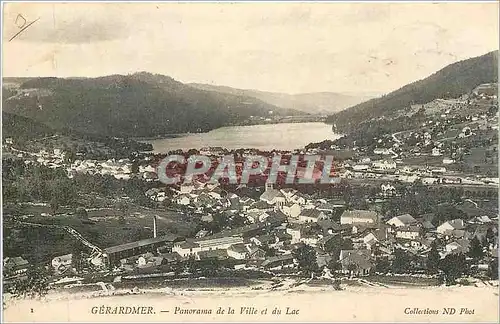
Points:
point(288, 136)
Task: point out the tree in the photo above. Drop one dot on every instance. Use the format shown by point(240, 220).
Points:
point(306, 258)
point(382, 265)
point(433, 260)
point(493, 269)
point(352, 267)
point(490, 235)
point(334, 265)
point(401, 261)
point(135, 167)
point(209, 267)
point(476, 249)
point(453, 266)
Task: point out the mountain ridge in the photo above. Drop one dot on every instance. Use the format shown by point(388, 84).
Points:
point(323, 102)
point(134, 105)
point(451, 81)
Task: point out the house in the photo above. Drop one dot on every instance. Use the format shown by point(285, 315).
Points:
point(451, 225)
point(279, 262)
point(256, 253)
point(388, 189)
point(310, 239)
point(216, 193)
point(375, 237)
point(15, 268)
point(273, 196)
point(323, 241)
point(360, 167)
point(429, 181)
point(183, 200)
point(355, 262)
point(208, 243)
point(205, 200)
point(382, 151)
point(264, 240)
point(329, 227)
point(288, 193)
point(238, 251)
point(297, 198)
point(330, 207)
point(186, 188)
point(260, 206)
point(359, 217)
point(275, 218)
point(448, 161)
point(62, 263)
point(311, 215)
point(291, 210)
point(458, 246)
point(436, 152)
point(408, 232)
point(295, 233)
point(402, 221)
point(481, 220)
point(384, 165)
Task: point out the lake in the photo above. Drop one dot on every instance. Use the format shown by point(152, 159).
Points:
point(287, 136)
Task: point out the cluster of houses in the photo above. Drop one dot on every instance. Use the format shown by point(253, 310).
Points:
point(283, 219)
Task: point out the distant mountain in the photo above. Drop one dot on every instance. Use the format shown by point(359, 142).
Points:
point(140, 105)
point(312, 103)
point(450, 82)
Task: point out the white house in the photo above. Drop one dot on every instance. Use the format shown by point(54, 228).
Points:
point(402, 221)
point(381, 151)
point(408, 232)
point(311, 215)
point(451, 225)
point(183, 200)
point(186, 188)
point(448, 161)
point(436, 152)
point(209, 243)
point(295, 233)
point(238, 251)
point(387, 189)
point(292, 210)
point(384, 165)
point(62, 263)
point(273, 196)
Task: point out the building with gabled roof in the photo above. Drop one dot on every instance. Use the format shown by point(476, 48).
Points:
point(402, 221)
point(359, 217)
point(311, 215)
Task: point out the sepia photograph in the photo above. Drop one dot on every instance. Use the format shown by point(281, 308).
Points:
point(283, 162)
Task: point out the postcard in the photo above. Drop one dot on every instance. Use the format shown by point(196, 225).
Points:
point(250, 162)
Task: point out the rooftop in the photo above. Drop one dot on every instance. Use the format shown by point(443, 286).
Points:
point(136, 244)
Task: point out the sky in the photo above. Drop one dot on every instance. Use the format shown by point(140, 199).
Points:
point(356, 48)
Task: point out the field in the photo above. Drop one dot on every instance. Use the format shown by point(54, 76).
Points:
point(103, 228)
